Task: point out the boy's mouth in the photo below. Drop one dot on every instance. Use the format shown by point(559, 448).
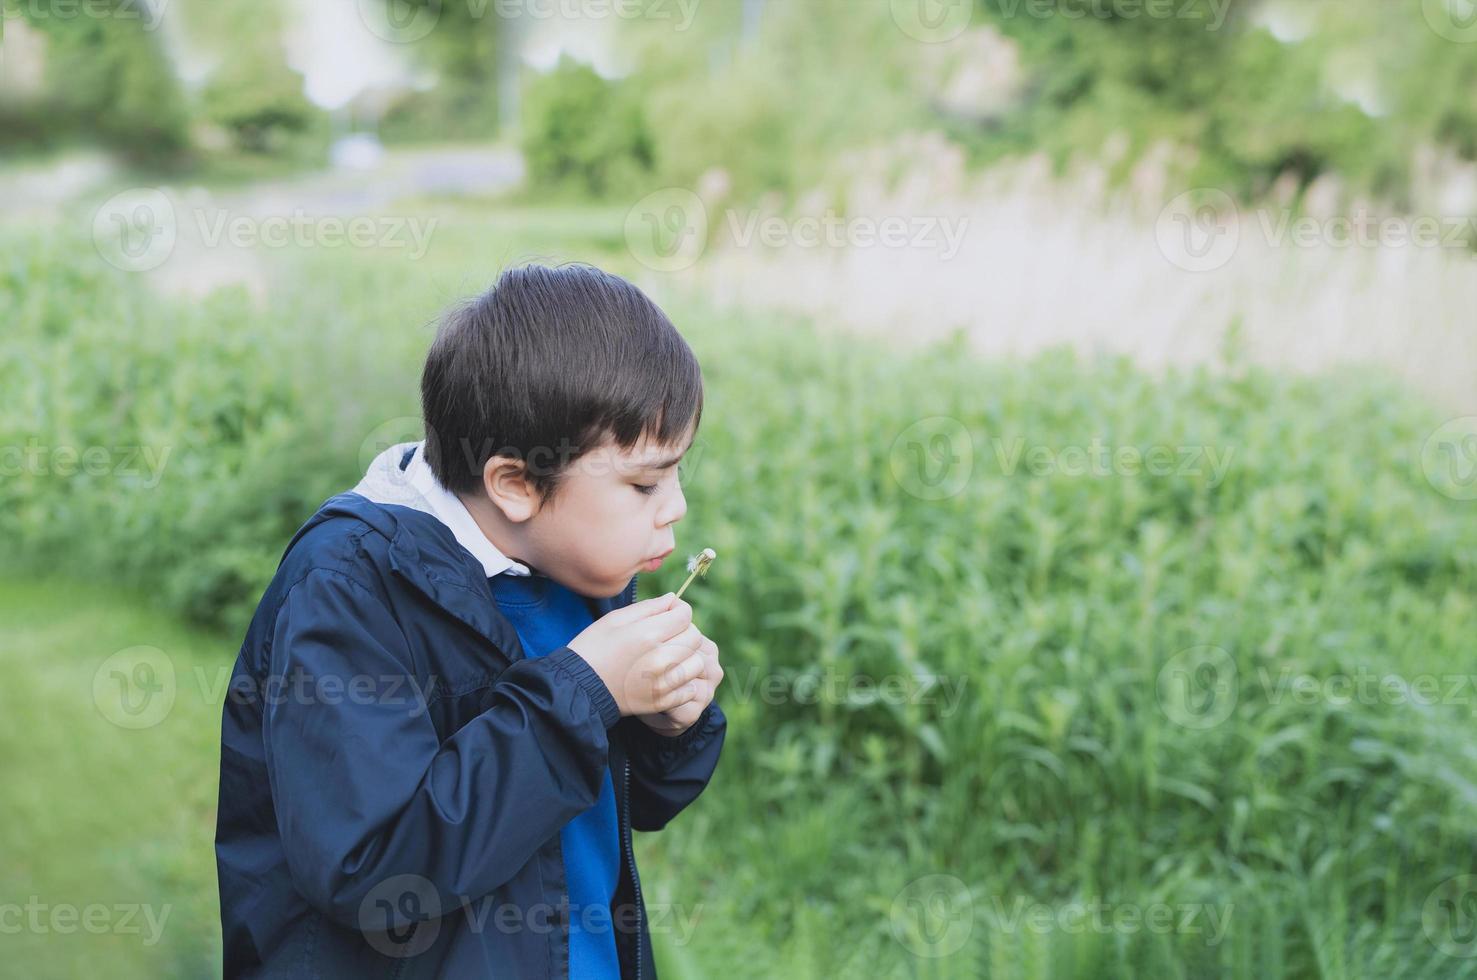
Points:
point(652, 564)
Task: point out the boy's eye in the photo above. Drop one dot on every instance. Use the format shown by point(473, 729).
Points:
point(646, 488)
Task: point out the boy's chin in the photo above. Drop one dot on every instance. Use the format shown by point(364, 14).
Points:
point(591, 589)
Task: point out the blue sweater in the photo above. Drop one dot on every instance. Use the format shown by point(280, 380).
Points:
point(547, 616)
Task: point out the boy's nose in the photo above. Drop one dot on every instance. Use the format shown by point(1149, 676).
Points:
point(678, 509)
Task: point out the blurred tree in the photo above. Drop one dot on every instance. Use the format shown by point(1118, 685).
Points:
point(106, 78)
point(583, 132)
point(772, 94)
point(250, 92)
point(260, 104)
point(464, 51)
point(1254, 107)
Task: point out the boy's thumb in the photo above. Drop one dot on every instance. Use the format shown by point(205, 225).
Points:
point(654, 605)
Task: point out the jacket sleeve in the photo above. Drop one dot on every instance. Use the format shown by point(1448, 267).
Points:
point(668, 772)
point(364, 789)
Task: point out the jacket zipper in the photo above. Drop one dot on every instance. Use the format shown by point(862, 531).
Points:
point(631, 859)
point(630, 852)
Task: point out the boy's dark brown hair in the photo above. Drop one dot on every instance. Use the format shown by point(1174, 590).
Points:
point(547, 365)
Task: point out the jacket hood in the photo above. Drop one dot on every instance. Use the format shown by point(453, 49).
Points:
point(385, 481)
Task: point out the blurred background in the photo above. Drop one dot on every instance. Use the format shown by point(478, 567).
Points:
point(1090, 446)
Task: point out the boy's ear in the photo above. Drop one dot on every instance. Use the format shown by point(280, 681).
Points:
point(505, 481)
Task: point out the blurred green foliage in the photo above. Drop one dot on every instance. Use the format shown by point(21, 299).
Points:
point(583, 132)
point(465, 53)
point(110, 79)
point(777, 107)
point(262, 107)
point(106, 79)
point(251, 93)
point(1213, 79)
point(774, 102)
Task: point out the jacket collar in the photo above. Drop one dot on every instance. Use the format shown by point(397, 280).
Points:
point(425, 554)
point(446, 507)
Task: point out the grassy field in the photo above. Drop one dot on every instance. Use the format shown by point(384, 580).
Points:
point(1000, 704)
point(99, 816)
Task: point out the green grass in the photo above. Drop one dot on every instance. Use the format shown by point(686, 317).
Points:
point(93, 814)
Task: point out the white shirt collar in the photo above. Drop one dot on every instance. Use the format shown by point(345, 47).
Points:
point(449, 510)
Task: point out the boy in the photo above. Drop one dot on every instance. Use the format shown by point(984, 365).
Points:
point(449, 712)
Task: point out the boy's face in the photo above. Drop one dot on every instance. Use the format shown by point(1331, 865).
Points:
point(614, 512)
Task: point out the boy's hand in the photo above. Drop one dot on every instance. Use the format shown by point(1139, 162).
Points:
point(675, 721)
point(647, 654)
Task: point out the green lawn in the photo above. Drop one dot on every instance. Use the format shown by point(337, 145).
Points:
point(106, 831)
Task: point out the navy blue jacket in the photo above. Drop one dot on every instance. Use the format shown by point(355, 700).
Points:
point(395, 770)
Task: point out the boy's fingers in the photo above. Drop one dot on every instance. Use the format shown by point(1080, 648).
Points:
point(689, 669)
point(664, 626)
point(641, 610)
point(638, 614)
point(687, 692)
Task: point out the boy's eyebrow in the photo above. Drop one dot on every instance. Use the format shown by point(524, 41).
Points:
point(666, 462)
